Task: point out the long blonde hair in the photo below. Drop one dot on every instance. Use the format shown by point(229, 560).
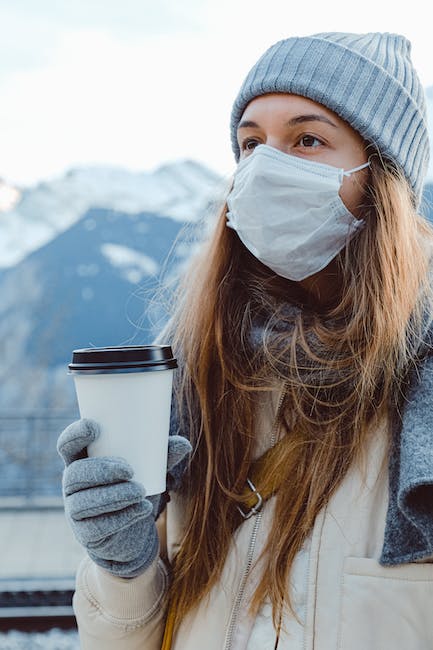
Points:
point(339, 367)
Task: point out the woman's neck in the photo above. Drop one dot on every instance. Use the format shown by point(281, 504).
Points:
point(323, 288)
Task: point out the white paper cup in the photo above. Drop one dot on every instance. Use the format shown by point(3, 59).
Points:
point(127, 390)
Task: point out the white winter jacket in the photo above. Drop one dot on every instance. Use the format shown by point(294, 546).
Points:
point(352, 602)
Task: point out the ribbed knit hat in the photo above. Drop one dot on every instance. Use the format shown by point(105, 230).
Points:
point(366, 79)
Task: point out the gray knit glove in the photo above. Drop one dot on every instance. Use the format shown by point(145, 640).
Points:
point(107, 510)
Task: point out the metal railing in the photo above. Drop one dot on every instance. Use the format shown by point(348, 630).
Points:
point(30, 467)
point(30, 478)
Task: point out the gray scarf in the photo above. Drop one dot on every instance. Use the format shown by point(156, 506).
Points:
point(409, 520)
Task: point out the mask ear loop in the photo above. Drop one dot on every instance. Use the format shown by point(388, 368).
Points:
point(356, 169)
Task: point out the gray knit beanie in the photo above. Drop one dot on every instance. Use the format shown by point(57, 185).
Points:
point(366, 79)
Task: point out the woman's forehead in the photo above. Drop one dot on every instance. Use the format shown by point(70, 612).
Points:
point(275, 103)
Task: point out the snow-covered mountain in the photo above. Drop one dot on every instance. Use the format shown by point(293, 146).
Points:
point(34, 216)
point(95, 284)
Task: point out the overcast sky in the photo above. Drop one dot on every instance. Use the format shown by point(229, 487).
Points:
point(136, 83)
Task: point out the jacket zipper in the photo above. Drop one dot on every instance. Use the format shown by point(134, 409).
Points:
point(237, 604)
point(251, 547)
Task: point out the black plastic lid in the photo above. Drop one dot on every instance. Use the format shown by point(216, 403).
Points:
point(120, 359)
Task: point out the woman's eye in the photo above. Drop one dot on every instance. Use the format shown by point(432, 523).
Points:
point(249, 144)
point(310, 141)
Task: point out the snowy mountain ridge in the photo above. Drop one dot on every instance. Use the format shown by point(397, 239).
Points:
point(182, 190)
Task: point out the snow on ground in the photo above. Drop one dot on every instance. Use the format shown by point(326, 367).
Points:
point(54, 639)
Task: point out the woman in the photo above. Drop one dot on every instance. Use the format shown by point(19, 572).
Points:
point(302, 518)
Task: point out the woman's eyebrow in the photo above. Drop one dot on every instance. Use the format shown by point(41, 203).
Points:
point(312, 117)
point(248, 124)
point(299, 119)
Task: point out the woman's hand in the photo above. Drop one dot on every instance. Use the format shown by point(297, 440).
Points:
point(108, 511)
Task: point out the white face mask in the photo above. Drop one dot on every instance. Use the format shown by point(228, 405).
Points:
point(288, 213)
